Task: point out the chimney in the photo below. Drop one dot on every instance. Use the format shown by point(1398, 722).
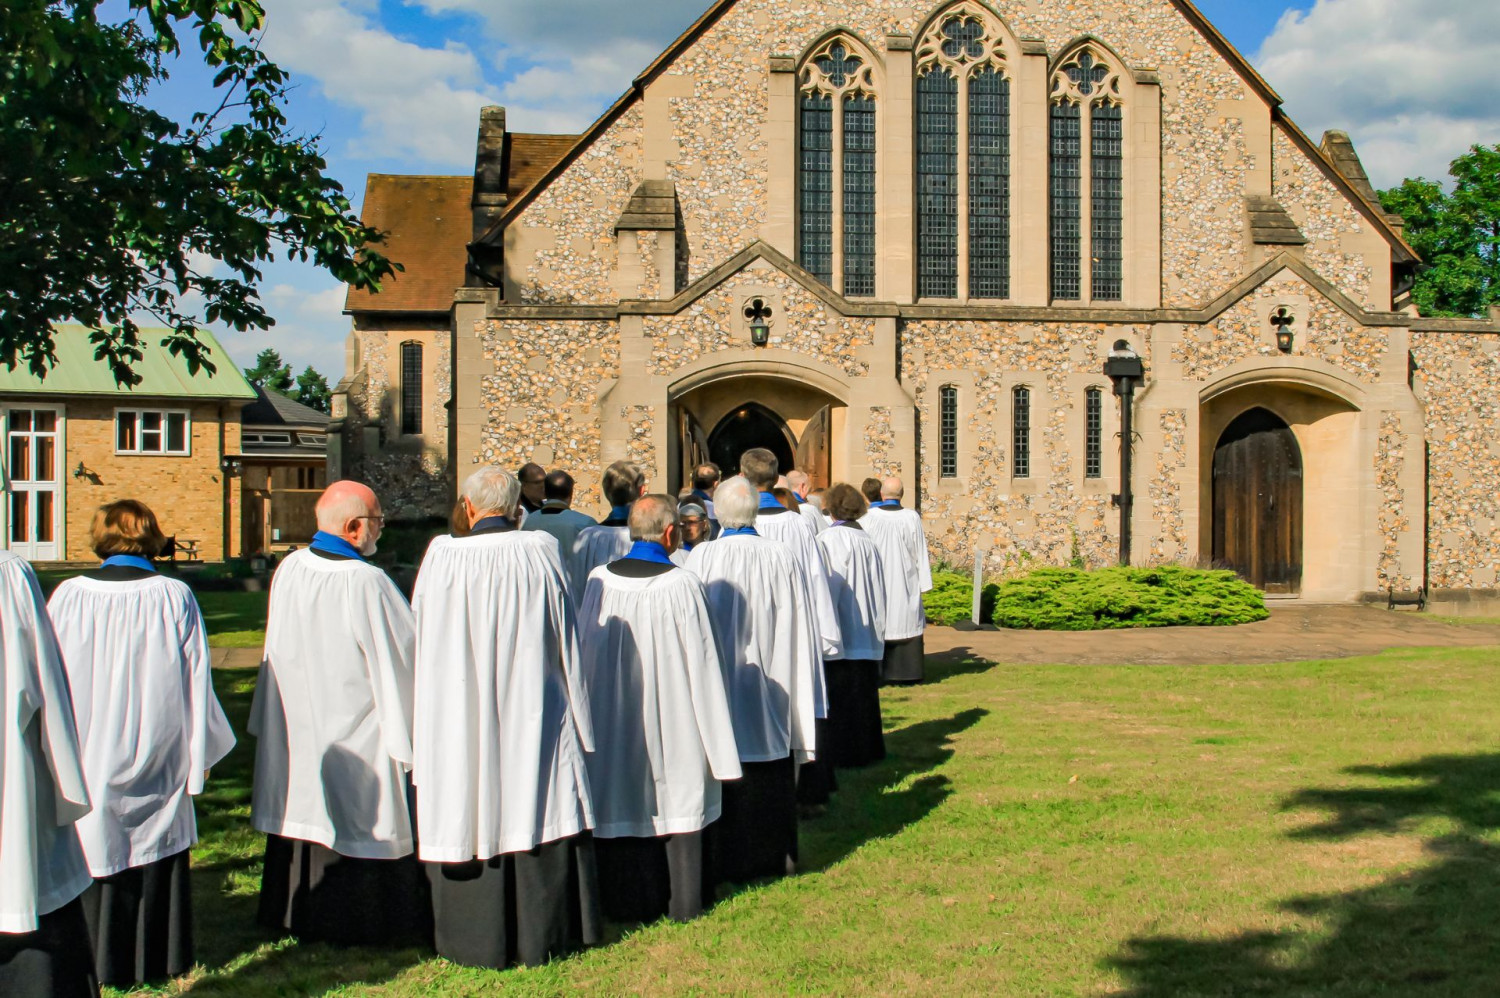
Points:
point(489, 197)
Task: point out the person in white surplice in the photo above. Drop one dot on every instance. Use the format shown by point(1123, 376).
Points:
point(622, 485)
point(768, 649)
point(44, 940)
point(902, 543)
point(815, 781)
point(150, 727)
point(799, 482)
point(663, 736)
point(333, 719)
point(502, 724)
point(857, 582)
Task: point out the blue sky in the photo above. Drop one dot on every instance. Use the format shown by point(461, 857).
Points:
point(394, 86)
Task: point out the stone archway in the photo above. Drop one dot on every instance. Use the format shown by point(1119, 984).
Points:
point(752, 425)
point(1257, 501)
point(800, 423)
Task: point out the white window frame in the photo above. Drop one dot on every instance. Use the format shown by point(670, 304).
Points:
point(60, 502)
point(187, 433)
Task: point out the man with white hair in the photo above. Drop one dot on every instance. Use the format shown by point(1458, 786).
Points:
point(502, 726)
point(622, 485)
point(333, 716)
point(663, 737)
point(768, 650)
point(798, 482)
point(902, 544)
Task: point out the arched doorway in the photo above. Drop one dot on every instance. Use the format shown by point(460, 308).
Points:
point(1257, 497)
point(751, 425)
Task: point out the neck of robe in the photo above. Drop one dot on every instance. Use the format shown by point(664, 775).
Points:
point(492, 525)
point(739, 532)
point(334, 546)
point(129, 561)
point(852, 524)
point(891, 504)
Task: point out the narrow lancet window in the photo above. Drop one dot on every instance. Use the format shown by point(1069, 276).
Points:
point(411, 388)
point(1088, 180)
point(1066, 162)
point(815, 179)
point(1021, 433)
point(989, 184)
point(949, 431)
point(1093, 434)
point(859, 197)
point(937, 185)
point(1107, 153)
point(836, 189)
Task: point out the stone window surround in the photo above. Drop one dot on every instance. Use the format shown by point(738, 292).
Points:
point(187, 432)
point(399, 384)
point(1031, 73)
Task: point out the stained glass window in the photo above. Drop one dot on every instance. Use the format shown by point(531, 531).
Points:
point(1021, 433)
point(937, 185)
point(1067, 163)
point(989, 184)
point(1093, 434)
point(411, 388)
point(859, 197)
point(1106, 200)
point(815, 182)
point(949, 431)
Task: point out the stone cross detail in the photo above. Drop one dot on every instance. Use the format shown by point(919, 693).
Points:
point(1283, 319)
point(838, 65)
point(1087, 74)
point(758, 312)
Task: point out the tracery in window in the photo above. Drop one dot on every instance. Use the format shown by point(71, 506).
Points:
point(963, 156)
point(1087, 103)
point(836, 192)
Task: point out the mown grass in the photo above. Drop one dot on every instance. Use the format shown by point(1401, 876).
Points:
point(234, 619)
point(1312, 828)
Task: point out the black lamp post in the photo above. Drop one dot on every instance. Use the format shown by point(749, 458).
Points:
point(1125, 369)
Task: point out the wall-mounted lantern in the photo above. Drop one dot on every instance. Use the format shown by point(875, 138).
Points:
point(1284, 320)
point(230, 466)
point(759, 314)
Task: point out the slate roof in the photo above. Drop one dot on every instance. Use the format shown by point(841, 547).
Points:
point(162, 375)
point(429, 223)
point(275, 409)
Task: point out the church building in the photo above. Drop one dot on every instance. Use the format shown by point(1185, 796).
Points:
point(882, 238)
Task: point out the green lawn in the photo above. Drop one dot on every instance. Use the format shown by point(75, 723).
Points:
point(234, 619)
point(1314, 828)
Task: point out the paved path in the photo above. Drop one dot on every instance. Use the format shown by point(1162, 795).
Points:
point(1296, 632)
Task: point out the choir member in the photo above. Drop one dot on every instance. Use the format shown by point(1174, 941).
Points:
point(502, 725)
point(663, 735)
point(692, 520)
point(557, 515)
point(870, 489)
point(44, 939)
point(149, 727)
point(815, 781)
point(857, 583)
point(798, 481)
point(333, 715)
point(902, 543)
point(705, 480)
point(769, 653)
point(533, 487)
point(622, 485)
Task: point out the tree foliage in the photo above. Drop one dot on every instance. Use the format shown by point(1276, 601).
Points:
point(110, 209)
point(1457, 234)
point(313, 390)
point(270, 373)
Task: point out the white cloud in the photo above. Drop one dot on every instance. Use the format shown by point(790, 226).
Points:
point(1402, 77)
point(416, 102)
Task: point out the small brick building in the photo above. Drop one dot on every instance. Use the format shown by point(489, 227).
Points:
point(75, 440)
point(902, 238)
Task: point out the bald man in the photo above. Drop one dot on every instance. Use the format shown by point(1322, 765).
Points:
point(333, 719)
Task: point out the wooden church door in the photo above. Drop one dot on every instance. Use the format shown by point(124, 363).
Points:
point(1257, 493)
point(814, 449)
point(693, 446)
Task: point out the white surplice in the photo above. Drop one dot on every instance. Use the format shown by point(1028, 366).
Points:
point(793, 530)
point(857, 583)
point(502, 721)
point(768, 647)
point(902, 543)
point(663, 737)
point(814, 517)
point(42, 788)
point(595, 546)
point(333, 709)
point(149, 723)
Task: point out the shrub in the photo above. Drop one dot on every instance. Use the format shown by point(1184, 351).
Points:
point(951, 599)
point(1065, 599)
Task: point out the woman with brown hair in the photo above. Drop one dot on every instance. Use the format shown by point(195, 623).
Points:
point(857, 584)
point(150, 727)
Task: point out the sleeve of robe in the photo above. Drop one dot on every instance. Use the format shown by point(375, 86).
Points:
point(811, 695)
point(920, 557)
point(388, 639)
point(566, 618)
point(210, 735)
point(878, 597)
point(706, 687)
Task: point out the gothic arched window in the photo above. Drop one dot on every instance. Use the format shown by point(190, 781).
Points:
point(963, 92)
point(1088, 138)
point(836, 167)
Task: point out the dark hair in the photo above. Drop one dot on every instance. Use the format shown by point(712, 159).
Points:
point(843, 502)
point(559, 485)
point(622, 483)
point(760, 466)
point(126, 527)
point(533, 470)
point(458, 520)
point(706, 476)
point(871, 488)
point(787, 498)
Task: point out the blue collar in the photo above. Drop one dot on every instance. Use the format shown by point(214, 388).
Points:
point(800, 496)
point(889, 504)
point(649, 551)
point(619, 512)
point(128, 561)
point(333, 544)
point(497, 524)
point(739, 532)
point(768, 500)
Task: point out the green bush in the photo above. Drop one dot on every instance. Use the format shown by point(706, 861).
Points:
point(1066, 599)
point(951, 599)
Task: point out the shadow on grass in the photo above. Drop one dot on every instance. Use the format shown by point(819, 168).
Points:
point(1431, 931)
point(963, 661)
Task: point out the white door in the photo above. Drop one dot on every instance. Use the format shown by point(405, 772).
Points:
point(33, 473)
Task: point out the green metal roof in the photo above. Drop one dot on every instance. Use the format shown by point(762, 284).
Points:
point(162, 375)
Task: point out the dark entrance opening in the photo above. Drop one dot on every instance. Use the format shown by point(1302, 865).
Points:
point(748, 426)
point(1258, 502)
